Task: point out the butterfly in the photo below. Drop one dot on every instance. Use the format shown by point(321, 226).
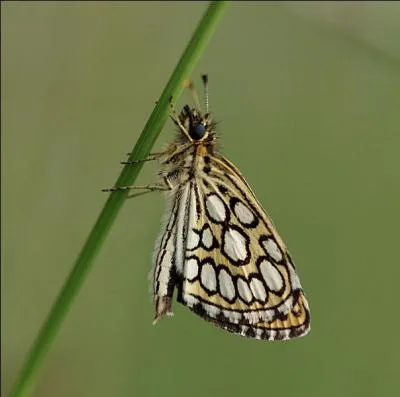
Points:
point(218, 248)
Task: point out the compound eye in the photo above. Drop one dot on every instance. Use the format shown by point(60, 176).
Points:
point(198, 131)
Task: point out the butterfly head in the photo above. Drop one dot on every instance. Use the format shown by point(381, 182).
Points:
point(195, 125)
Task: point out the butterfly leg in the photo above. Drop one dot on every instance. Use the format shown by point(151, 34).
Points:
point(151, 188)
point(175, 118)
point(146, 188)
point(139, 161)
point(150, 157)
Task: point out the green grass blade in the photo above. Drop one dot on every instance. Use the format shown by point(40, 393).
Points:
point(84, 262)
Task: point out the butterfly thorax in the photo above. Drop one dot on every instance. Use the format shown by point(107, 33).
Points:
point(189, 154)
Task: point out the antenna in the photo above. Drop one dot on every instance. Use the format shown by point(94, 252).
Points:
point(190, 85)
point(204, 77)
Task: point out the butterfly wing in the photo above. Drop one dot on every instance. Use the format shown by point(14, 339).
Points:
point(226, 259)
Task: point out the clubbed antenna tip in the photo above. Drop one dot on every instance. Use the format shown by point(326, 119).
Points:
point(204, 77)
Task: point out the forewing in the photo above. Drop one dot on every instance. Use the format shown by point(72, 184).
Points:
point(236, 270)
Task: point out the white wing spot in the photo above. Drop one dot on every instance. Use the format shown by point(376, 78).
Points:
point(257, 287)
point(271, 276)
point(245, 216)
point(244, 290)
point(234, 317)
point(293, 276)
point(208, 277)
point(215, 208)
point(191, 269)
point(235, 245)
point(164, 274)
point(211, 310)
point(226, 285)
point(207, 238)
point(192, 240)
point(273, 249)
point(259, 333)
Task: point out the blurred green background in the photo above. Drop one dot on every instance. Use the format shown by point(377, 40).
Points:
point(307, 96)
